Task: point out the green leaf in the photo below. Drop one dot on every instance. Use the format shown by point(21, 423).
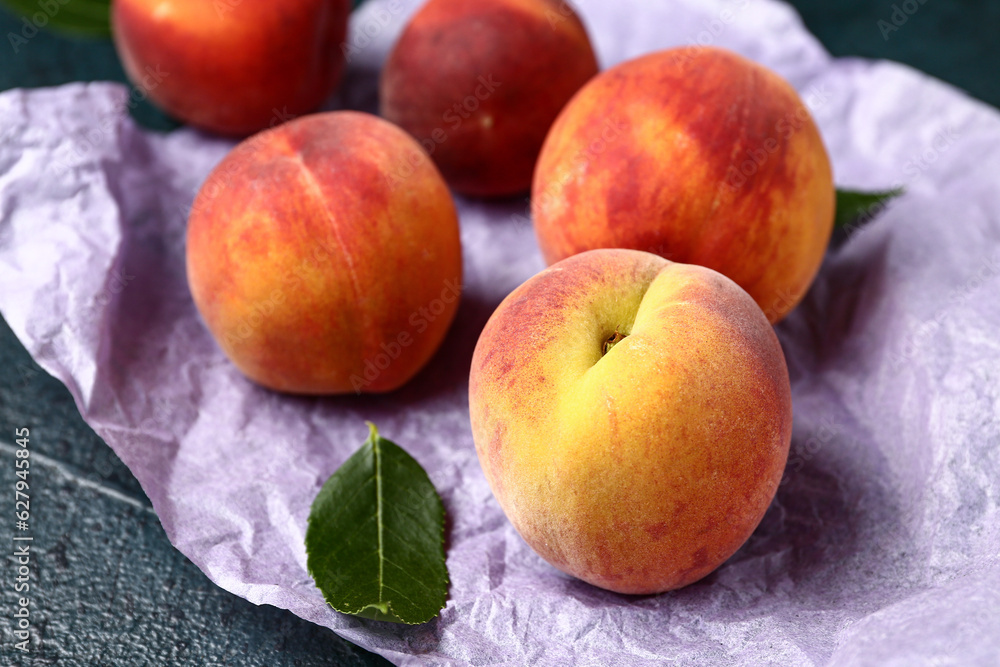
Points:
point(375, 538)
point(83, 17)
point(853, 205)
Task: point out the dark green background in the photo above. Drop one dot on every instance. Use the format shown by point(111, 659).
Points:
point(108, 587)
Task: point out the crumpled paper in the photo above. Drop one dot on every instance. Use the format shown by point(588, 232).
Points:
point(882, 544)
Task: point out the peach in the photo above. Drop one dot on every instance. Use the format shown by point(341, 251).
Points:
point(632, 416)
point(479, 82)
point(698, 155)
point(313, 275)
point(232, 66)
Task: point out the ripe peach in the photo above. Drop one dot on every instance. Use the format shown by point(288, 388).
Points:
point(315, 276)
point(632, 416)
point(479, 82)
point(232, 66)
point(700, 156)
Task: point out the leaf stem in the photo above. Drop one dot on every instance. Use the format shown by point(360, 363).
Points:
point(378, 508)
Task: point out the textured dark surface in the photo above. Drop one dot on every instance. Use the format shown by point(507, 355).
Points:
point(954, 40)
point(107, 586)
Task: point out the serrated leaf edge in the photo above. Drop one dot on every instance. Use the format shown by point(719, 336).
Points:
point(384, 607)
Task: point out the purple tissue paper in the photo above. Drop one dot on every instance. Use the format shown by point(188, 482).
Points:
point(881, 547)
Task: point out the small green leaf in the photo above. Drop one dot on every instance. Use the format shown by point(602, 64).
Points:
point(375, 537)
point(82, 17)
point(854, 204)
